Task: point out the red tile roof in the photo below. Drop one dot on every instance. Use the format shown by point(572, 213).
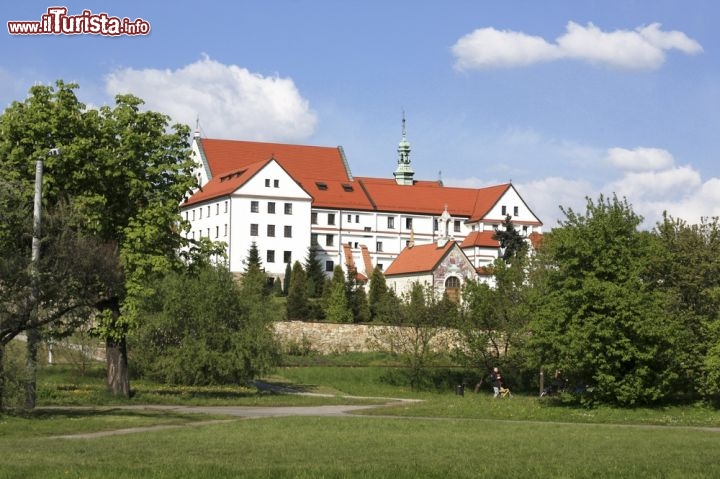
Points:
point(225, 184)
point(323, 173)
point(430, 197)
point(535, 239)
point(482, 239)
point(367, 259)
point(328, 193)
point(418, 259)
point(302, 162)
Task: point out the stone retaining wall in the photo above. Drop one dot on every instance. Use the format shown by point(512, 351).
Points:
point(325, 338)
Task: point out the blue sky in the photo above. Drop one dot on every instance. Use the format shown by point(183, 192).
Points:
point(568, 99)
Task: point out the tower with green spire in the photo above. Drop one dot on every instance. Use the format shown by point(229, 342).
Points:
point(404, 172)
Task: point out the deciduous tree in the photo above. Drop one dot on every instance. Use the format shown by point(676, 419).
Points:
point(124, 171)
point(204, 328)
point(598, 315)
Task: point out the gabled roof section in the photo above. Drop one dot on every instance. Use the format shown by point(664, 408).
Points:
point(302, 162)
point(225, 184)
point(419, 259)
point(336, 194)
point(487, 198)
point(431, 197)
point(480, 239)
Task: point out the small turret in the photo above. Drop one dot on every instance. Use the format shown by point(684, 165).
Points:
point(404, 173)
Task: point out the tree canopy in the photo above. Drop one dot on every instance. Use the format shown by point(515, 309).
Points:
point(123, 171)
point(598, 315)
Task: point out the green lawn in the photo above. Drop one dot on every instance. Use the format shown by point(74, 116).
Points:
point(443, 435)
point(369, 447)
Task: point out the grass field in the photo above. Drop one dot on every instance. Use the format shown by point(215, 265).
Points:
point(444, 435)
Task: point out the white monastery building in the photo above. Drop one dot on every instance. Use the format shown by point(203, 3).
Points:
point(286, 197)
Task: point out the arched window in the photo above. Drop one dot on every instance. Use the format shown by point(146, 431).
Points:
point(452, 288)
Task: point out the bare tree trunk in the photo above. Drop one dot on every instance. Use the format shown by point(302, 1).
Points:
point(33, 340)
point(118, 375)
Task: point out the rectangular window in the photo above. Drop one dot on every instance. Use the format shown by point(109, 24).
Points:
point(329, 240)
point(329, 266)
point(276, 183)
point(193, 215)
point(217, 209)
point(314, 239)
point(267, 182)
point(208, 215)
point(226, 206)
point(378, 246)
point(217, 231)
point(270, 256)
point(287, 257)
point(288, 231)
point(288, 208)
point(457, 226)
point(349, 218)
point(408, 223)
point(225, 229)
point(271, 231)
point(253, 229)
point(504, 210)
point(254, 207)
point(186, 216)
point(516, 211)
point(200, 212)
point(436, 225)
point(208, 232)
point(271, 207)
point(391, 223)
point(331, 218)
point(313, 218)
point(357, 218)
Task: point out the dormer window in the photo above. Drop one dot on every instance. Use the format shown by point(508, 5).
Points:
point(321, 186)
point(347, 188)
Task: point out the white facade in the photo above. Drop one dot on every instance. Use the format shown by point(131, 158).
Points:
point(270, 209)
point(283, 216)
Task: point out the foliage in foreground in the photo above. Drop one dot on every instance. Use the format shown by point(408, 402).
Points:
point(617, 309)
point(205, 329)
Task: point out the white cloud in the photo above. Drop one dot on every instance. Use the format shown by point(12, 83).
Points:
point(643, 48)
point(545, 196)
point(488, 48)
point(230, 101)
point(673, 183)
point(647, 177)
point(640, 159)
